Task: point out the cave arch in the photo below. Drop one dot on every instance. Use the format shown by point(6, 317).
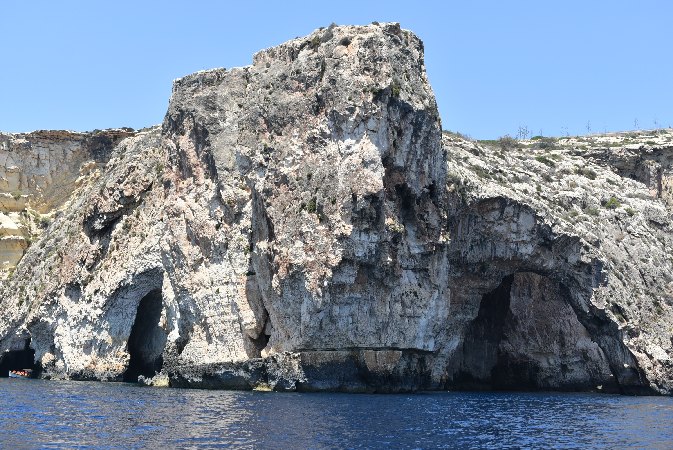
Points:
point(568, 343)
point(147, 339)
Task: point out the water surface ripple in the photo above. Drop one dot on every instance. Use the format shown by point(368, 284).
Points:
point(42, 414)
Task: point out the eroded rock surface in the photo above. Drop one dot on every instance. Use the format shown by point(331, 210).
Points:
point(39, 172)
point(303, 224)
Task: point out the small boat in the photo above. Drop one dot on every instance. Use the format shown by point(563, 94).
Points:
point(25, 373)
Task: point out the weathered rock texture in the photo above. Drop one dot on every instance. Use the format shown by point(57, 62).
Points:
point(38, 173)
point(303, 224)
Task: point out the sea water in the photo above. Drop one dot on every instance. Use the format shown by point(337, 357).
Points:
point(59, 414)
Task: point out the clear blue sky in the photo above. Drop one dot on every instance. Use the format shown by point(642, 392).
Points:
point(494, 65)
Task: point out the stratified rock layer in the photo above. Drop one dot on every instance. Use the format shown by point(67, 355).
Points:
point(303, 224)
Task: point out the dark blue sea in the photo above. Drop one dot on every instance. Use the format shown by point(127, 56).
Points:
point(52, 414)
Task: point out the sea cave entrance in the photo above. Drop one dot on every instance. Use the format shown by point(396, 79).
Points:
point(147, 339)
point(19, 360)
point(481, 345)
point(526, 336)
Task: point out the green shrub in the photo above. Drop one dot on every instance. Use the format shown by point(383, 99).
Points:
point(312, 206)
point(612, 203)
point(395, 89)
point(480, 172)
point(589, 173)
point(592, 211)
point(544, 142)
point(507, 142)
point(457, 134)
point(545, 160)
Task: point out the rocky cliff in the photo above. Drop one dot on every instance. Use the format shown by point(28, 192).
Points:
point(38, 173)
point(304, 224)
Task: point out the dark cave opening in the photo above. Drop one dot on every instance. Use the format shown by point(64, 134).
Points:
point(407, 202)
point(483, 337)
point(147, 339)
point(264, 340)
point(527, 336)
point(20, 360)
point(261, 342)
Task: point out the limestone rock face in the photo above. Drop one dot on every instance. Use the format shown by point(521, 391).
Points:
point(304, 224)
point(39, 171)
point(648, 160)
point(601, 243)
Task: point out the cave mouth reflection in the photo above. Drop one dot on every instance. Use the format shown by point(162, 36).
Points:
point(147, 339)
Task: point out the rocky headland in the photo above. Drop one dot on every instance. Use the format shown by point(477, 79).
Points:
point(303, 223)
